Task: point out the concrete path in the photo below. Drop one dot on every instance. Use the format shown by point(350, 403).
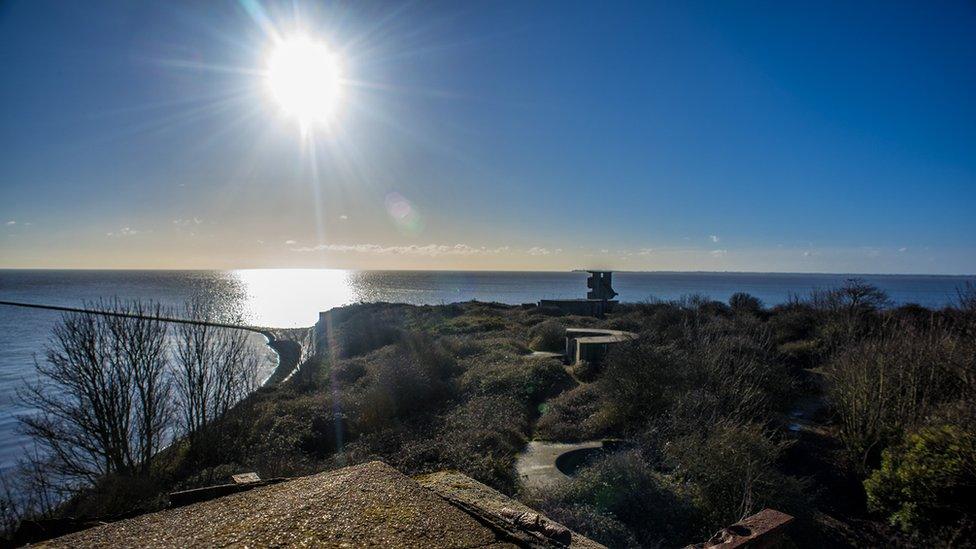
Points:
point(536, 465)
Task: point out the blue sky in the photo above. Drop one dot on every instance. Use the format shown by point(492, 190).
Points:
point(750, 136)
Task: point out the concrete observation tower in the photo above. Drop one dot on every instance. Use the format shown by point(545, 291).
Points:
point(599, 298)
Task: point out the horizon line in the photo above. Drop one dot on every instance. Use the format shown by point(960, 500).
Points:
point(435, 270)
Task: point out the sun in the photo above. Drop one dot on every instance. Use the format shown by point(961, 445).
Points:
point(305, 78)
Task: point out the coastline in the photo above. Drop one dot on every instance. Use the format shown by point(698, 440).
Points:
point(289, 351)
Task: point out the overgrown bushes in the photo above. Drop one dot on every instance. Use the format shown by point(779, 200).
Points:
point(926, 485)
point(549, 335)
point(701, 398)
point(732, 468)
point(621, 500)
point(577, 414)
point(882, 385)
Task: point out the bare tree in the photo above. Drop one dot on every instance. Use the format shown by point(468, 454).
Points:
point(214, 368)
point(102, 396)
point(29, 491)
point(855, 297)
point(966, 298)
point(142, 344)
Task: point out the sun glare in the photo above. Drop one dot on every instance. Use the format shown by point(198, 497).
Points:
point(304, 77)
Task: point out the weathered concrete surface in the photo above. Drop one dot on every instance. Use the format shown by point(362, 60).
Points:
point(581, 307)
point(369, 505)
point(470, 493)
point(765, 529)
point(591, 344)
point(545, 354)
point(536, 465)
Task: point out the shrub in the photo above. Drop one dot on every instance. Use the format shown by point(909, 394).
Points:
point(361, 333)
point(848, 313)
point(527, 380)
point(481, 437)
point(462, 347)
point(732, 468)
point(473, 324)
point(703, 376)
point(346, 372)
point(548, 336)
point(928, 483)
point(801, 354)
point(591, 522)
point(743, 303)
point(793, 322)
point(622, 488)
point(628, 323)
point(855, 297)
point(413, 378)
point(913, 313)
point(884, 385)
point(586, 371)
point(966, 298)
point(637, 379)
point(577, 414)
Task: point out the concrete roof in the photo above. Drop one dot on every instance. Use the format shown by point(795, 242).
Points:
point(599, 335)
point(368, 505)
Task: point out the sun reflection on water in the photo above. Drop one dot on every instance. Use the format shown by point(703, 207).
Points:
point(292, 298)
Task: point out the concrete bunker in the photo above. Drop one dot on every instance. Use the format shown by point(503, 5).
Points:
point(591, 344)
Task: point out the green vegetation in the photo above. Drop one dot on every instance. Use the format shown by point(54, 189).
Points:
point(853, 416)
point(927, 485)
point(549, 335)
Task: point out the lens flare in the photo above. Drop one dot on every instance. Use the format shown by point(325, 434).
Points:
point(406, 217)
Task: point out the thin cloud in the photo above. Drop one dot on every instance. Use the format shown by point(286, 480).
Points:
point(124, 231)
point(188, 226)
point(10, 223)
point(187, 222)
point(431, 250)
point(719, 253)
point(713, 238)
